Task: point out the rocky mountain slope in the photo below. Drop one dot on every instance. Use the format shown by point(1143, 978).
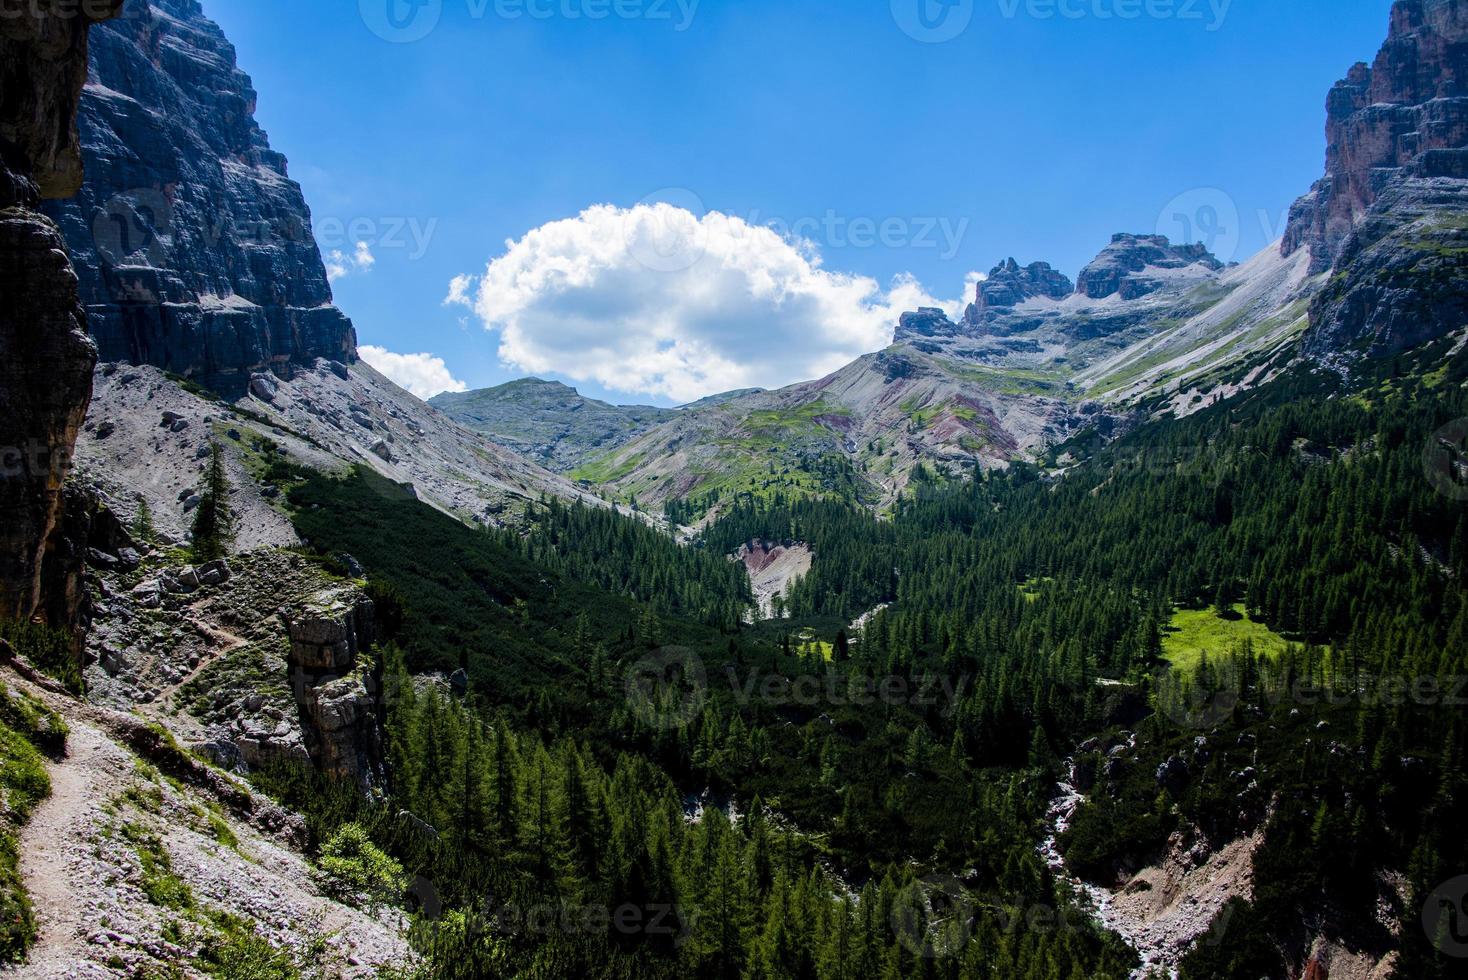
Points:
point(1034, 361)
point(1391, 214)
point(1373, 263)
point(121, 854)
point(194, 248)
point(548, 422)
point(147, 439)
point(201, 276)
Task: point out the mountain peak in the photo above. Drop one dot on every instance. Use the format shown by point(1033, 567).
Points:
point(1010, 284)
point(1123, 266)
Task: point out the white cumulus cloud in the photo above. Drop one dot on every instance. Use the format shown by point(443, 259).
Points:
point(654, 300)
point(425, 375)
point(339, 265)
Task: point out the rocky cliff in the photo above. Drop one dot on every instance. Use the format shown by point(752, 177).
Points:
point(1009, 285)
point(194, 248)
point(1391, 215)
point(45, 357)
point(1405, 114)
point(1133, 266)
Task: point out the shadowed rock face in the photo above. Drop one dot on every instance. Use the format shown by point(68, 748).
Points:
point(1405, 115)
point(46, 359)
point(1009, 285)
point(195, 250)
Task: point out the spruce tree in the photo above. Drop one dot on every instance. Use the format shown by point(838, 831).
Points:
point(213, 518)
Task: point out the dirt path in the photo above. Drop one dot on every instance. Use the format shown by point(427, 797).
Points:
point(224, 642)
point(95, 768)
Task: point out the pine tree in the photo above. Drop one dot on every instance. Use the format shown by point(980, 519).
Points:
point(143, 523)
point(213, 531)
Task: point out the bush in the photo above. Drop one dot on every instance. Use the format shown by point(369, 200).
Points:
point(17, 922)
point(356, 867)
point(49, 649)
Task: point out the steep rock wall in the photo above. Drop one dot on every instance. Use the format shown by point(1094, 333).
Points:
point(46, 359)
point(195, 249)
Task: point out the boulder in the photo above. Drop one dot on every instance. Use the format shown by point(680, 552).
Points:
point(1173, 774)
point(180, 581)
point(264, 387)
point(147, 594)
point(214, 573)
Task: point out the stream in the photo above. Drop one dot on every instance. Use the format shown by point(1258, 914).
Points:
point(1157, 960)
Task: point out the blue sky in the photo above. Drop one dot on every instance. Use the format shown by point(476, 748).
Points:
point(1037, 130)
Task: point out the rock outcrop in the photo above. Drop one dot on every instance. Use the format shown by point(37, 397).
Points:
point(195, 250)
point(1009, 285)
point(1400, 275)
point(336, 688)
point(1135, 265)
point(927, 321)
point(1391, 214)
point(45, 357)
point(1407, 114)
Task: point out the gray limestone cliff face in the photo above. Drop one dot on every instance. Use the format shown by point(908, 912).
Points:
point(46, 359)
point(194, 248)
point(1131, 264)
point(1390, 216)
point(1406, 115)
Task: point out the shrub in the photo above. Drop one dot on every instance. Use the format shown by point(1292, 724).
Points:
point(354, 866)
